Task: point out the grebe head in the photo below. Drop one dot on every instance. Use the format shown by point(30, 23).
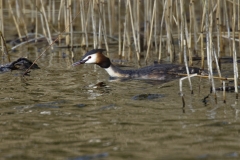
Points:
point(94, 56)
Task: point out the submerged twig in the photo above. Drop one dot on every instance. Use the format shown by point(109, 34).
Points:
point(202, 76)
point(224, 92)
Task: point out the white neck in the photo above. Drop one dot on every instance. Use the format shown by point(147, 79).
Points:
point(113, 71)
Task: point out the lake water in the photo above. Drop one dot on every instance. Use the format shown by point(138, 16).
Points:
point(59, 112)
point(77, 113)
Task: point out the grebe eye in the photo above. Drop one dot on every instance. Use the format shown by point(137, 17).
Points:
point(89, 57)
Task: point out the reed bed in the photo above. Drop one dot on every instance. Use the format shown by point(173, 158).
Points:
point(176, 31)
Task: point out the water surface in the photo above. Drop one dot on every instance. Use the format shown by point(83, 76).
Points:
point(58, 112)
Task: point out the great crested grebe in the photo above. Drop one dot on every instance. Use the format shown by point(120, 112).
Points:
point(153, 72)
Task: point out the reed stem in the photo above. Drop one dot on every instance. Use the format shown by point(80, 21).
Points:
point(133, 31)
point(151, 29)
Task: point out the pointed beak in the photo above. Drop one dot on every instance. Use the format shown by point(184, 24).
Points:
point(79, 62)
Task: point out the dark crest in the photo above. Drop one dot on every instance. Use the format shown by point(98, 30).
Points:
point(93, 51)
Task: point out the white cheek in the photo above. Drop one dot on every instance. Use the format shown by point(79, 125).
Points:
point(92, 59)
